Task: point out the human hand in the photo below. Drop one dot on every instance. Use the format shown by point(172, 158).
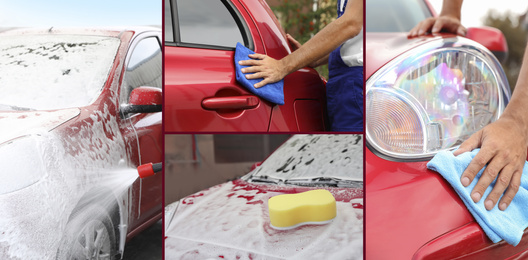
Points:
point(294, 44)
point(265, 67)
point(436, 24)
point(503, 149)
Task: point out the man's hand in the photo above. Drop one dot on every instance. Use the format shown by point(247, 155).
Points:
point(294, 44)
point(503, 149)
point(265, 67)
point(438, 24)
point(447, 21)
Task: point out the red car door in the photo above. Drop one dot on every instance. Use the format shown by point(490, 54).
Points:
point(201, 93)
point(143, 131)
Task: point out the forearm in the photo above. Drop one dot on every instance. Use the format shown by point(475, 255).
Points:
point(328, 39)
point(518, 106)
point(451, 8)
point(321, 61)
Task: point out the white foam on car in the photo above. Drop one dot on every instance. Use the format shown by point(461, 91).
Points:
point(50, 71)
point(33, 219)
point(303, 157)
point(239, 229)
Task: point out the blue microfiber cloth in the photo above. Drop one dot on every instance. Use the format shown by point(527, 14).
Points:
point(498, 225)
point(271, 92)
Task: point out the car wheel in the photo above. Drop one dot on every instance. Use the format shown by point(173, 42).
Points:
point(89, 234)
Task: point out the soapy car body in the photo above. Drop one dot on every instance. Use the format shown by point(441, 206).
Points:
point(69, 148)
point(231, 220)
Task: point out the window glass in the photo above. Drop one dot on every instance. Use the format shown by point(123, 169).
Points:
point(394, 16)
point(207, 22)
point(144, 67)
point(169, 36)
point(53, 71)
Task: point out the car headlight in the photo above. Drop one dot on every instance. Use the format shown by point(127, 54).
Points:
point(432, 98)
point(23, 165)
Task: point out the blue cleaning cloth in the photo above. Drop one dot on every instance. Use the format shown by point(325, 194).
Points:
point(497, 224)
point(270, 92)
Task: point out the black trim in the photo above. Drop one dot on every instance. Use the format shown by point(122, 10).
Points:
point(237, 17)
point(175, 27)
point(242, 25)
point(129, 109)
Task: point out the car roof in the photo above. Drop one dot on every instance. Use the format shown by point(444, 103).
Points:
point(113, 31)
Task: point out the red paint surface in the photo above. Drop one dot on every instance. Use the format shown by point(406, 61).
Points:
point(194, 75)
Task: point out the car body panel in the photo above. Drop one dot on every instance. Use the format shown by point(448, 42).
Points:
point(89, 155)
point(412, 212)
point(231, 221)
point(199, 73)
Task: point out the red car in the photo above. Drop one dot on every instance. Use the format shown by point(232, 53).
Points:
point(80, 109)
point(231, 220)
point(201, 93)
point(424, 95)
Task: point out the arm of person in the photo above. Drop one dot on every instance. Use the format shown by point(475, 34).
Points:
point(447, 21)
point(296, 45)
point(503, 148)
point(324, 42)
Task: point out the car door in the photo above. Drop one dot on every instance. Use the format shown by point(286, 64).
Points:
point(201, 93)
point(143, 130)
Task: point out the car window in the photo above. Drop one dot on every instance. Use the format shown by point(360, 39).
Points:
point(308, 157)
point(207, 22)
point(169, 33)
point(143, 67)
point(394, 15)
point(53, 71)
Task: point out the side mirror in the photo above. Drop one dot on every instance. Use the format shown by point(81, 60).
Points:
point(144, 100)
point(491, 38)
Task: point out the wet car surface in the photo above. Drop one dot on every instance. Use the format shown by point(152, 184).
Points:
point(231, 220)
point(71, 131)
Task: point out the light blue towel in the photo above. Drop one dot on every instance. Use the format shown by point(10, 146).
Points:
point(271, 92)
point(498, 225)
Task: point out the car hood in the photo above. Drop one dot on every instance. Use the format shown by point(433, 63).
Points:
point(18, 124)
point(231, 221)
point(383, 47)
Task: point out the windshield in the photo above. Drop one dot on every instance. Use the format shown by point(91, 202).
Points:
point(46, 72)
point(395, 15)
point(309, 160)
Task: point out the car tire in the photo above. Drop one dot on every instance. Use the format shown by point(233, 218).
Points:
point(89, 234)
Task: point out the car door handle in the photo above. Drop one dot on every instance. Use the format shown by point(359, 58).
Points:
point(235, 102)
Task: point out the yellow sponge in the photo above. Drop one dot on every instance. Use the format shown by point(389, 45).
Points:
point(292, 210)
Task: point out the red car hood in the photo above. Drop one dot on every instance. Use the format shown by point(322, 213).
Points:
point(231, 221)
point(413, 213)
point(383, 47)
point(17, 124)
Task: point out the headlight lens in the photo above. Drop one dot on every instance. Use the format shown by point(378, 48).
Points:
point(433, 98)
point(23, 164)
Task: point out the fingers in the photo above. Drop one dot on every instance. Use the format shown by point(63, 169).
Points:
point(511, 191)
point(461, 30)
point(495, 167)
point(257, 56)
point(263, 83)
point(422, 27)
point(469, 145)
point(255, 75)
point(478, 162)
point(501, 184)
point(254, 68)
point(293, 43)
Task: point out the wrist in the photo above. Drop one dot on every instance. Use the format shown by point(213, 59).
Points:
point(516, 118)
